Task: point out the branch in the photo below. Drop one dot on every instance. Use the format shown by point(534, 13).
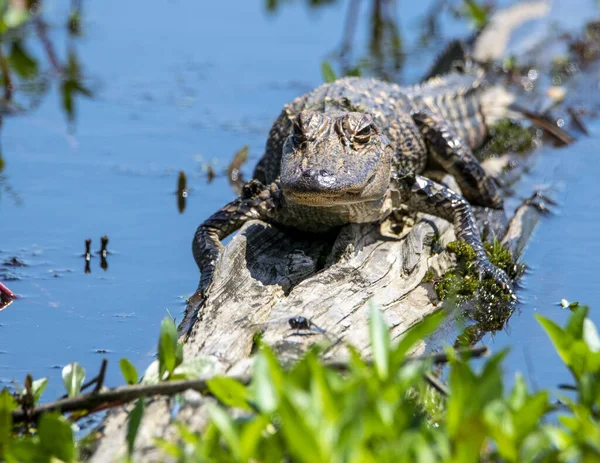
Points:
point(6, 77)
point(120, 395)
point(42, 32)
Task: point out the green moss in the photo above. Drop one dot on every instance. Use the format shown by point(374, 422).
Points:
point(507, 136)
point(454, 283)
point(502, 258)
point(462, 250)
point(429, 276)
point(491, 304)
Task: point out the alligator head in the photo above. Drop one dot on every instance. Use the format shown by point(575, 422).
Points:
point(338, 158)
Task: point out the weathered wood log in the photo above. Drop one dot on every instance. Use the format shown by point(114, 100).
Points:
point(268, 275)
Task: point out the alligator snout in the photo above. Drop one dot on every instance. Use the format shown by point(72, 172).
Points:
point(317, 180)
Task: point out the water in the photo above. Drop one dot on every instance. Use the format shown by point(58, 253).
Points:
point(177, 86)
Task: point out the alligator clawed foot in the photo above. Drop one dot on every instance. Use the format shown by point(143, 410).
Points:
point(487, 270)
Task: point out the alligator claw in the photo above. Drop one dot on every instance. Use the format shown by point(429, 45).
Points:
point(486, 269)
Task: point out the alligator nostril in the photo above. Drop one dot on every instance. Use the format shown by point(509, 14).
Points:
point(308, 173)
point(325, 173)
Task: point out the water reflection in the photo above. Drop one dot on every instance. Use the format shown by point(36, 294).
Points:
point(182, 192)
point(103, 253)
point(384, 55)
point(26, 75)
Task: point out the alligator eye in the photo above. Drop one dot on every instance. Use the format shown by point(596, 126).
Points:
point(298, 133)
point(363, 135)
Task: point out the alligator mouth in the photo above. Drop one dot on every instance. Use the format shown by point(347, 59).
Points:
point(349, 195)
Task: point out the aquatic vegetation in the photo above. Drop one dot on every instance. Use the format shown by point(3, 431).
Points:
point(508, 136)
point(491, 307)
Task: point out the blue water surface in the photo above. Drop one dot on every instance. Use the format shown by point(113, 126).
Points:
point(179, 85)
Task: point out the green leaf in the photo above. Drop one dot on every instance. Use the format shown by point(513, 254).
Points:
point(417, 333)
point(380, 341)
point(327, 72)
point(528, 417)
point(167, 347)
point(15, 17)
point(38, 387)
point(266, 394)
point(56, 437)
point(251, 437)
point(73, 376)
point(178, 354)
point(151, 375)
point(23, 64)
point(196, 367)
point(229, 391)
point(133, 425)
point(477, 14)
point(322, 395)
point(170, 448)
point(223, 422)
point(7, 405)
point(590, 335)
point(575, 323)
point(354, 72)
point(187, 435)
point(300, 438)
point(518, 396)
point(560, 338)
point(25, 450)
point(129, 372)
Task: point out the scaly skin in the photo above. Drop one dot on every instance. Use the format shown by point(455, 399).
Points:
point(351, 151)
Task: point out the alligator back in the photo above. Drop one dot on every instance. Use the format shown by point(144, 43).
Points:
point(457, 97)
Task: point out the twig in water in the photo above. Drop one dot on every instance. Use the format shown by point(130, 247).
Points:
point(552, 129)
point(578, 122)
point(437, 384)
point(6, 77)
point(42, 32)
point(101, 375)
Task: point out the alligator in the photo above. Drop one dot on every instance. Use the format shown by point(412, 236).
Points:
point(353, 151)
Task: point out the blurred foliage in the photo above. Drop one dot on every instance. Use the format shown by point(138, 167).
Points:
point(508, 136)
point(384, 411)
point(478, 14)
point(27, 76)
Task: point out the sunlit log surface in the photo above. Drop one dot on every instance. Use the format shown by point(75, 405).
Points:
point(268, 275)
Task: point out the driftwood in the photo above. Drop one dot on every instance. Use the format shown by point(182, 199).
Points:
point(268, 275)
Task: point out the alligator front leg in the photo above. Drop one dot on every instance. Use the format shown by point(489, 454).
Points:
point(425, 195)
point(255, 202)
point(455, 156)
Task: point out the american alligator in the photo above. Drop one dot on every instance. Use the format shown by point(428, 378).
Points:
point(352, 151)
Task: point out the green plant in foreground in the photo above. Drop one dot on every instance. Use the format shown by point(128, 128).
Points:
point(383, 411)
point(370, 411)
